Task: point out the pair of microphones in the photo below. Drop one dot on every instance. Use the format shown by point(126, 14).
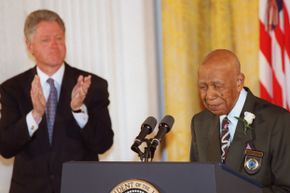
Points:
point(147, 127)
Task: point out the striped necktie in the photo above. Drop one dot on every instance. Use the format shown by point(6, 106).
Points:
point(225, 139)
point(51, 108)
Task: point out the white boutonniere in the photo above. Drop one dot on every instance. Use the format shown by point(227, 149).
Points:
point(247, 120)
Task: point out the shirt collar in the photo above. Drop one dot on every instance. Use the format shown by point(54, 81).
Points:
point(57, 76)
point(236, 111)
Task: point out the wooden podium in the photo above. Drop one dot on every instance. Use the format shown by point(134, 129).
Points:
point(167, 177)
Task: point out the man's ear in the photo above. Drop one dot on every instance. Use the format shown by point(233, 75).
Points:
point(29, 48)
point(28, 45)
point(240, 81)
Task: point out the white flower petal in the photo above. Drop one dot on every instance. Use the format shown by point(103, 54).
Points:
point(249, 117)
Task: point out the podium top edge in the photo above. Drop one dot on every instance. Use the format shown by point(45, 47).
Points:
point(139, 162)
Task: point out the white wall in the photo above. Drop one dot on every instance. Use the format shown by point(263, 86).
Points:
point(112, 38)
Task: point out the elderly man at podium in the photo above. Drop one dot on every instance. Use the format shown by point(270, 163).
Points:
point(245, 133)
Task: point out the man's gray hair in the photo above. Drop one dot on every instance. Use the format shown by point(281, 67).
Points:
point(34, 18)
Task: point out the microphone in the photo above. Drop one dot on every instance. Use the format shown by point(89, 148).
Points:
point(146, 128)
point(164, 127)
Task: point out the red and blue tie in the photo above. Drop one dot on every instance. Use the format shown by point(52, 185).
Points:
point(225, 139)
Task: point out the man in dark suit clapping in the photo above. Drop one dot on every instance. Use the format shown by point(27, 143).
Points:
point(244, 132)
point(51, 113)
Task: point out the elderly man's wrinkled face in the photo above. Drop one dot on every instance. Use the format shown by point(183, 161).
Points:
point(219, 86)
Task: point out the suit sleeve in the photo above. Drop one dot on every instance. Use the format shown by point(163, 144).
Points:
point(280, 148)
point(193, 148)
point(98, 133)
point(13, 128)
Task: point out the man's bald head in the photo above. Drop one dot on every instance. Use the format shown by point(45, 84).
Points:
point(222, 58)
point(220, 81)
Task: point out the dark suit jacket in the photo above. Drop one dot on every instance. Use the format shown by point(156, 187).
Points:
point(38, 165)
point(269, 134)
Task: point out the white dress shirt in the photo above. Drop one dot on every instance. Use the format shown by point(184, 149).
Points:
point(235, 112)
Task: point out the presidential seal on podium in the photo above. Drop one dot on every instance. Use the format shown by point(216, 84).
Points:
point(134, 186)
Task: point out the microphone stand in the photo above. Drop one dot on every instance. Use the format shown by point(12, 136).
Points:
point(147, 155)
point(147, 151)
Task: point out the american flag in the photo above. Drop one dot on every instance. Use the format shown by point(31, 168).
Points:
point(275, 51)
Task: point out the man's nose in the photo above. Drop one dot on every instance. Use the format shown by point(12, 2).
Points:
point(53, 42)
point(210, 93)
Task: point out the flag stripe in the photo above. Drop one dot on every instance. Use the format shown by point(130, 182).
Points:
point(265, 43)
point(275, 51)
point(287, 30)
point(265, 93)
point(286, 9)
point(265, 74)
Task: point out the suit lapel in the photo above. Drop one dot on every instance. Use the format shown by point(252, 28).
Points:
point(237, 148)
point(213, 150)
point(67, 85)
point(63, 111)
point(235, 157)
